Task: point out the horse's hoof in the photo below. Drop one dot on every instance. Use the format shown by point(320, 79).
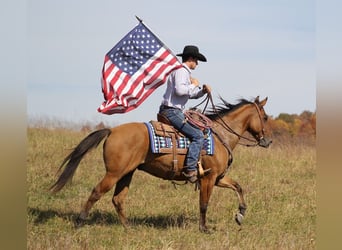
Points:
point(206, 230)
point(239, 218)
point(79, 222)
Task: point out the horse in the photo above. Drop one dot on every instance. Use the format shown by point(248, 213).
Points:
point(127, 148)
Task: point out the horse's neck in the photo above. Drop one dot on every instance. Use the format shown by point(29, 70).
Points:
point(237, 121)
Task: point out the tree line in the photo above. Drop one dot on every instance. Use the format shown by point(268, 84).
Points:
point(293, 125)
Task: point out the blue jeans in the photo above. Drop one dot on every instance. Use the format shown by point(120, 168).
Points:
point(177, 119)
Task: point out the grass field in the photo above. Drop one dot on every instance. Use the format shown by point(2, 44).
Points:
point(279, 185)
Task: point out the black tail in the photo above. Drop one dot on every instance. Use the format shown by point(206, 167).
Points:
point(74, 158)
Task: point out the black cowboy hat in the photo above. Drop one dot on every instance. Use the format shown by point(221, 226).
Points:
point(191, 50)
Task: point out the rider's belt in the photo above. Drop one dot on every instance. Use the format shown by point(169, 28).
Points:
point(166, 107)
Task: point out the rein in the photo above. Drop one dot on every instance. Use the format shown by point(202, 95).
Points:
point(198, 118)
point(225, 125)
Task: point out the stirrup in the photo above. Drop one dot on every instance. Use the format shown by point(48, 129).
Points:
point(202, 172)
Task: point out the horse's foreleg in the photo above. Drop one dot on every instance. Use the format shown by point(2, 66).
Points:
point(103, 187)
point(119, 196)
point(206, 189)
point(227, 182)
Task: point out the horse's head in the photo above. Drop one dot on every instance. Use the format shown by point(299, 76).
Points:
point(257, 123)
point(244, 116)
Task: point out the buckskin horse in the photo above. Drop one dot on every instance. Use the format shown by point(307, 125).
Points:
point(127, 148)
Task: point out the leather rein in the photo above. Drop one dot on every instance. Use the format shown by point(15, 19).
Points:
point(228, 128)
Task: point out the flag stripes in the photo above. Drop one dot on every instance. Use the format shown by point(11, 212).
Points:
point(129, 77)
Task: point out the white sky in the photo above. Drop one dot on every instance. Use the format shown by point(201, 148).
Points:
point(253, 48)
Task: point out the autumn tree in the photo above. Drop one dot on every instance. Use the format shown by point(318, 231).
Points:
point(293, 125)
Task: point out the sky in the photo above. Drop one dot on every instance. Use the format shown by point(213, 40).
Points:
point(254, 48)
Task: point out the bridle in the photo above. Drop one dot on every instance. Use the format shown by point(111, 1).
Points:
point(261, 122)
point(254, 141)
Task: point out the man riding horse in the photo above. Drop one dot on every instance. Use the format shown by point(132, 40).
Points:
point(180, 88)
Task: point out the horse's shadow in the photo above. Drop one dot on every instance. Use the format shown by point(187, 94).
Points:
point(106, 218)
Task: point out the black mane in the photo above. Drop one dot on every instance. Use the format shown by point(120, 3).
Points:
point(225, 107)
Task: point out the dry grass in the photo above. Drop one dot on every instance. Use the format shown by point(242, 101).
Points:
point(279, 182)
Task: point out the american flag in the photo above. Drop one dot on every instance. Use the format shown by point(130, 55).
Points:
point(133, 69)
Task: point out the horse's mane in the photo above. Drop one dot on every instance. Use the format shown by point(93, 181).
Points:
point(225, 107)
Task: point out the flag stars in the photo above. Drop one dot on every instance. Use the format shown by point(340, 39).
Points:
point(134, 50)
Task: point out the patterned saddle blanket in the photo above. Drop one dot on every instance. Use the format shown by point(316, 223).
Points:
point(161, 140)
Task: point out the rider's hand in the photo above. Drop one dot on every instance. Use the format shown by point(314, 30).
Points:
point(194, 81)
point(206, 89)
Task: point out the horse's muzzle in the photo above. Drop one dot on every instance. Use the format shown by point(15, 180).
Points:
point(264, 142)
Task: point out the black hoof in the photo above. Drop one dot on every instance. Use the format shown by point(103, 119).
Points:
point(78, 223)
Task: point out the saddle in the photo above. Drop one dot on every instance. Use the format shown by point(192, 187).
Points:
point(163, 128)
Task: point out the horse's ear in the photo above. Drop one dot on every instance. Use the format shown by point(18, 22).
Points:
point(263, 102)
point(256, 99)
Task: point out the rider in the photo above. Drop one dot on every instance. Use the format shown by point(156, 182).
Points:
point(180, 88)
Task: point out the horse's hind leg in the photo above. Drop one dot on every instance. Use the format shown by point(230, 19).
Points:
point(100, 189)
point(227, 182)
point(119, 196)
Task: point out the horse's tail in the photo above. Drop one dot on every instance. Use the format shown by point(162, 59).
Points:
point(75, 157)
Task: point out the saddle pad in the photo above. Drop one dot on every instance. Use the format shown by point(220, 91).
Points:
point(158, 143)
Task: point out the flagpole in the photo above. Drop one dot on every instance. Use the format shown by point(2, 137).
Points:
point(141, 21)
